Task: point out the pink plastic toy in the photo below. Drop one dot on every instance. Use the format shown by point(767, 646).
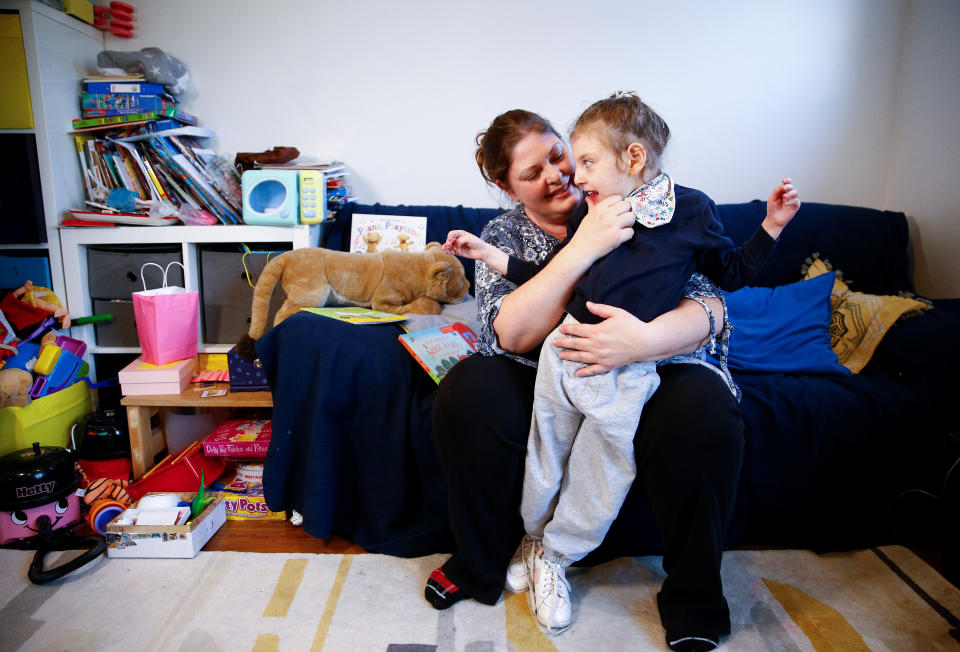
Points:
point(38, 506)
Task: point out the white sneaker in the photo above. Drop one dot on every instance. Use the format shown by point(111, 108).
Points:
point(517, 581)
point(549, 596)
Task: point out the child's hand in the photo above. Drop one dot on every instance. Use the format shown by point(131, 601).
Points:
point(782, 205)
point(465, 244)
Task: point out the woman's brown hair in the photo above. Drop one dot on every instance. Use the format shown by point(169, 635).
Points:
point(495, 144)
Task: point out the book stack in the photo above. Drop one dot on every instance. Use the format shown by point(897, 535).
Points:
point(244, 439)
point(134, 136)
point(109, 100)
point(339, 192)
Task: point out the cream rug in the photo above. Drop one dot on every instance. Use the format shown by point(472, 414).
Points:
point(883, 599)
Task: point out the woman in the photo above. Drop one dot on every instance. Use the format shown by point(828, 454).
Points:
point(688, 459)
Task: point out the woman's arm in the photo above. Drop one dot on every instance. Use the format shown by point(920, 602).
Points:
point(621, 338)
point(529, 313)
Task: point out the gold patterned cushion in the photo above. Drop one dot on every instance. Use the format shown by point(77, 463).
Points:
point(859, 321)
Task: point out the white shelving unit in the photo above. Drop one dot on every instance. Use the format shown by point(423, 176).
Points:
point(76, 240)
point(59, 50)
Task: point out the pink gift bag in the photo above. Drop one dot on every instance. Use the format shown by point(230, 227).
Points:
point(166, 320)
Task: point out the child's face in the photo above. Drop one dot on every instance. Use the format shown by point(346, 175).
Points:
point(601, 172)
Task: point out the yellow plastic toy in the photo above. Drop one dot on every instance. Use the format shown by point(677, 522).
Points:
point(47, 359)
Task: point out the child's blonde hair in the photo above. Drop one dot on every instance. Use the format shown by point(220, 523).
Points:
point(626, 119)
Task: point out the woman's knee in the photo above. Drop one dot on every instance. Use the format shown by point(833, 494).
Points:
point(484, 401)
point(692, 419)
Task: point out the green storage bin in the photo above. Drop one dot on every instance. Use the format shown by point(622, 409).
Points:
point(47, 420)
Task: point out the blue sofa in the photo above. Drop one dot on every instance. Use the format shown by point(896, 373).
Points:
point(826, 455)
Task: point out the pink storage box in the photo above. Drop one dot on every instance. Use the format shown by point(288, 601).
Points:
point(139, 378)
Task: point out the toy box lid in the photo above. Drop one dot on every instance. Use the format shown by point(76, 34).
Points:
point(179, 472)
point(139, 371)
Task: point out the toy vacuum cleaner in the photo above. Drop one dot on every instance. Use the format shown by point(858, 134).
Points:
point(39, 507)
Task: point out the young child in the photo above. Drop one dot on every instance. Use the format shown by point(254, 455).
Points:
point(580, 461)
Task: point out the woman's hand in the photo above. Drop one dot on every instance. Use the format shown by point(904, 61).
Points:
point(608, 224)
point(621, 338)
point(618, 340)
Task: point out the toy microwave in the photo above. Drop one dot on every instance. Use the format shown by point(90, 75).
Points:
point(284, 197)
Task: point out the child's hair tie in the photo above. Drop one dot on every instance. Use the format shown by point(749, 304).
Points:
point(620, 94)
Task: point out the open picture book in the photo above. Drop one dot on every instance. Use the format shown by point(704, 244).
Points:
point(439, 348)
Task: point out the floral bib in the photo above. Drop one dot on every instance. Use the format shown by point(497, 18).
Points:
point(653, 203)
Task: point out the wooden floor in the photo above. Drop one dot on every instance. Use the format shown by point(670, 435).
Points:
point(274, 536)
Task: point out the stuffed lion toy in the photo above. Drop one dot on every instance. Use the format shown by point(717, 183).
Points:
point(391, 281)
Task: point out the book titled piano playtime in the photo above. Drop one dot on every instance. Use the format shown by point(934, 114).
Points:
point(376, 233)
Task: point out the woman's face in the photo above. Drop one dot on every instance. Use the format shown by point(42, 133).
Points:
point(541, 177)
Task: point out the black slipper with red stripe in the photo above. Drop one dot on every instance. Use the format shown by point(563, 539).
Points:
point(440, 592)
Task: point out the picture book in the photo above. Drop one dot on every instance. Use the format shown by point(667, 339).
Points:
point(374, 233)
point(129, 102)
point(437, 349)
point(81, 123)
point(356, 315)
point(240, 438)
point(168, 112)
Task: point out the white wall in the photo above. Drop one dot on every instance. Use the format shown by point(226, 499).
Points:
point(751, 90)
point(925, 159)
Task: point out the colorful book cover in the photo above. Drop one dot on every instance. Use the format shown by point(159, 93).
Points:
point(246, 438)
point(177, 114)
point(356, 315)
point(375, 233)
point(100, 86)
point(81, 123)
point(123, 101)
point(169, 112)
point(439, 348)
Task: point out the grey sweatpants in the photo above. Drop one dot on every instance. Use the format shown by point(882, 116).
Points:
point(580, 461)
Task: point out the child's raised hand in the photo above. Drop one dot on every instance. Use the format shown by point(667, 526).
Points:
point(782, 205)
point(465, 244)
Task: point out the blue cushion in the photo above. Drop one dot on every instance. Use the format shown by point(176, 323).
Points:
point(784, 329)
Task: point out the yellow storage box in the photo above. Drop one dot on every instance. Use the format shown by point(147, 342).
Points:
point(47, 420)
point(82, 9)
point(16, 112)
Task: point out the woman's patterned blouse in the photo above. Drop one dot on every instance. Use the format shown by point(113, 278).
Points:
point(514, 233)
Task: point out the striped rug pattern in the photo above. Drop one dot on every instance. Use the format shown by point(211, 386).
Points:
point(880, 599)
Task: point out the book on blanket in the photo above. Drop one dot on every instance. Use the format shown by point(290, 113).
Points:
point(356, 314)
point(437, 349)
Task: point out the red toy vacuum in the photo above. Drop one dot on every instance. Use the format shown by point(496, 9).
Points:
point(39, 507)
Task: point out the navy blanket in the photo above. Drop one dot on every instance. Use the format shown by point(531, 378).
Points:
point(353, 452)
point(352, 447)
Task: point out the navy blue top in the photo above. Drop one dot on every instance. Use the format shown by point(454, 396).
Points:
point(646, 274)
